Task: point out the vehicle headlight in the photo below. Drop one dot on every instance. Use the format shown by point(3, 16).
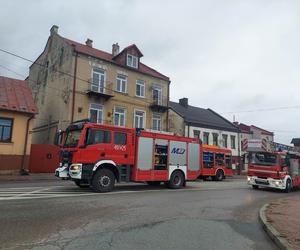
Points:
point(75, 167)
point(248, 178)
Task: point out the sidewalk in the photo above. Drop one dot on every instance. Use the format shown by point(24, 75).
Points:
point(283, 216)
point(30, 177)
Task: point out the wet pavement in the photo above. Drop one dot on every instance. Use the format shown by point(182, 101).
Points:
point(204, 215)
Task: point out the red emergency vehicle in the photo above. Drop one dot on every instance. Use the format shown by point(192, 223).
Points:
point(272, 165)
point(216, 162)
point(98, 155)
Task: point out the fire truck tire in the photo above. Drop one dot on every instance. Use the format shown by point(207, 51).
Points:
point(255, 186)
point(103, 181)
point(219, 175)
point(81, 184)
point(154, 183)
point(176, 180)
point(288, 186)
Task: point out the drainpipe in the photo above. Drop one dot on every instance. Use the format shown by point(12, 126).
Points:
point(23, 170)
point(74, 88)
point(239, 153)
point(168, 96)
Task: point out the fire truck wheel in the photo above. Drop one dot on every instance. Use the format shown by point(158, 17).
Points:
point(219, 176)
point(177, 180)
point(81, 184)
point(154, 183)
point(288, 186)
point(103, 181)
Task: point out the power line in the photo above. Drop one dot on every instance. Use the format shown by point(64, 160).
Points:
point(262, 110)
point(72, 76)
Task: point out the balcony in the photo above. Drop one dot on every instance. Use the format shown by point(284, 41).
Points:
point(159, 104)
point(100, 91)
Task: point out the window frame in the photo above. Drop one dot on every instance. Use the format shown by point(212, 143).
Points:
point(104, 79)
point(215, 135)
point(115, 112)
point(195, 131)
point(225, 139)
point(103, 130)
point(120, 132)
point(232, 145)
point(160, 96)
point(102, 113)
point(138, 82)
point(119, 77)
point(206, 134)
point(132, 60)
point(144, 120)
point(153, 119)
point(11, 130)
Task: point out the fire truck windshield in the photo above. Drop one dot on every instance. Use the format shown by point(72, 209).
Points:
point(72, 138)
point(263, 158)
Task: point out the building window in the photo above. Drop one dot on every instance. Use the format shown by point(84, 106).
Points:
point(119, 117)
point(156, 122)
point(157, 95)
point(232, 140)
point(224, 137)
point(140, 88)
point(215, 139)
point(98, 80)
point(6, 129)
point(121, 83)
point(196, 134)
point(132, 61)
point(205, 138)
point(139, 119)
point(96, 113)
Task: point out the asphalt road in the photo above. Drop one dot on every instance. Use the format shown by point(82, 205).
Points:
point(204, 215)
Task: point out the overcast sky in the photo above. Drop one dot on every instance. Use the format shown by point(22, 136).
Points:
point(230, 56)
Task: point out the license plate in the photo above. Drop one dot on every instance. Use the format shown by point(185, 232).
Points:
point(265, 182)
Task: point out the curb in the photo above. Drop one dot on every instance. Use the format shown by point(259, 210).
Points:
point(271, 231)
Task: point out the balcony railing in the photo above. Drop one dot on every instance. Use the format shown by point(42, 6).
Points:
point(159, 104)
point(100, 90)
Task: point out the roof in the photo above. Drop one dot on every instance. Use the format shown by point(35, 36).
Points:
point(248, 129)
point(202, 117)
point(295, 141)
point(15, 95)
point(84, 49)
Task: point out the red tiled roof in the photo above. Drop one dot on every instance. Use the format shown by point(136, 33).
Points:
point(15, 95)
point(266, 132)
point(84, 49)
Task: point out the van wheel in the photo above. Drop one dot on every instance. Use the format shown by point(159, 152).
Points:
point(103, 181)
point(219, 175)
point(254, 186)
point(81, 184)
point(177, 180)
point(288, 186)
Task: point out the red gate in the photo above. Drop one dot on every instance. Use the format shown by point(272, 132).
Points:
point(44, 158)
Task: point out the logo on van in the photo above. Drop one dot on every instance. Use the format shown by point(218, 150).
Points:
point(179, 151)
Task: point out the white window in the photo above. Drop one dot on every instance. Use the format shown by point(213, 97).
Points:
point(132, 61)
point(156, 122)
point(197, 134)
point(157, 94)
point(96, 113)
point(139, 119)
point(140, 88)
point(119, 116)
point(98, 80)
point(121, 83)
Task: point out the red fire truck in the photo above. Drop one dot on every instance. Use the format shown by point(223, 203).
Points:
point(272, 165)
point(98, 155)
point(216, 163)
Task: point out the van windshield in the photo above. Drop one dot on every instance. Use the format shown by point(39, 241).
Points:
point(264, 159)
point(72, 138)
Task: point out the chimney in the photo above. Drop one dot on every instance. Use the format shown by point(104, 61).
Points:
point(89, 42)
point(115, 49)
point(54, 30)
point(184, 102)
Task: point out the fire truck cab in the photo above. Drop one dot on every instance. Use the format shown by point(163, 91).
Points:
point(271, 168)
point(216, 163)
point(99, 155)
